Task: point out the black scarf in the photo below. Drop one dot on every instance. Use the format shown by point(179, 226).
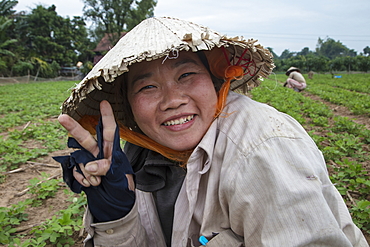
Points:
point(161, 176)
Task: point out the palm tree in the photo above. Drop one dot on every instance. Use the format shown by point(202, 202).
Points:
point(6, 7)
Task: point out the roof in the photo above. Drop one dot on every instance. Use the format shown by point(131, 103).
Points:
point(105, 44)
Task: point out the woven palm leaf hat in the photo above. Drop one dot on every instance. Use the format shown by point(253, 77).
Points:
point(291, 69)
point(163, 38)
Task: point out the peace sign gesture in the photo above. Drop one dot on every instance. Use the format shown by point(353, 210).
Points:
point(100, 167)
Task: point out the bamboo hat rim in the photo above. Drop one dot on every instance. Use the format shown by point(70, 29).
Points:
point(160, 38)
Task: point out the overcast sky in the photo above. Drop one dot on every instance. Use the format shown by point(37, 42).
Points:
point(279, 24)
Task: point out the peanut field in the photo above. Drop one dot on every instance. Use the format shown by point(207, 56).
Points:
point(37, 209)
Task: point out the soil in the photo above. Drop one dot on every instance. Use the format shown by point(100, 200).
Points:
point(12, 190)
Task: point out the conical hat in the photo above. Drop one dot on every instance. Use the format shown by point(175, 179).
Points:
point(156, 38)
point(292, 69)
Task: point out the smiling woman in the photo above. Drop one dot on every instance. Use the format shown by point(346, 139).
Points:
point(202, 164)
point(175, 103)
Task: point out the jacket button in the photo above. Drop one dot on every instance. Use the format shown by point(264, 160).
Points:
point(109, 231)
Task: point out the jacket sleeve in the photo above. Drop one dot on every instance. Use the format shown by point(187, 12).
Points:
point(124, 232)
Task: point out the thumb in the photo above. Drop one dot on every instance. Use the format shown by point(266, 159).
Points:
point(98, 167)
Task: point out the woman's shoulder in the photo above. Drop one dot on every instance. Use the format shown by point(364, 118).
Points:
point(244, 118)
point(240, 110)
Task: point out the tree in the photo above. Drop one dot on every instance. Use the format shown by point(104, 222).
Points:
point(331, 48)
point(7, 56)
point(363, 63)
point(45, 35)
point(337, 64)
point(286, 54)
point(4, 40)
point(348, 62)
point(6, 7)
point(367, 50)
point(272, 52)
point(80, 40)
point(296, 61)
point(310, 61)
point(320, 63)
point(305, 51)
point(117, 16)
point(48, 36)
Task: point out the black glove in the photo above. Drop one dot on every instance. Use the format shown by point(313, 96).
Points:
point(112, 199)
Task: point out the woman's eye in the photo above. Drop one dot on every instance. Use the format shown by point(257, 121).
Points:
point(186, 75)
point(146, 87)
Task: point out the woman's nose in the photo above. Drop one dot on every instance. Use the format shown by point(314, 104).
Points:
point(173, 97)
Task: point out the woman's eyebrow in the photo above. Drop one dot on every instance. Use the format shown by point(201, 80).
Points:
point(184, 61)
point(140, 77)
point(178, 63)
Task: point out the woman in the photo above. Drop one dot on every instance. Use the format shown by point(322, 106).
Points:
point(295, 79)
point(212, 167)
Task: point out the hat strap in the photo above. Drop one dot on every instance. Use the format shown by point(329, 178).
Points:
point(233, 72)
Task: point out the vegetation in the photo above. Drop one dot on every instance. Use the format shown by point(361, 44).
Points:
point(39, 43)
point(344, 144)
point(329, 56)
point(115, 17)
point(36, 113)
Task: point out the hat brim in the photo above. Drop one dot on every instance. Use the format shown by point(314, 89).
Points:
point(158, 38)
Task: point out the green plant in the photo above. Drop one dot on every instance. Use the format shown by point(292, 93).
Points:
point(10, 218)
point(59, 229)
point(43, 189)
point(361, 214)
point(342, 145)
point(351, 176)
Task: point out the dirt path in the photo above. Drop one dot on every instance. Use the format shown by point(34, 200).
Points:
point(14, 190)
point(341, 110)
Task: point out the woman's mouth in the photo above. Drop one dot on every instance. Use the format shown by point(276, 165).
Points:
point(179, 121)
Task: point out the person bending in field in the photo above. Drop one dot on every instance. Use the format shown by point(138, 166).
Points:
point(295, 79)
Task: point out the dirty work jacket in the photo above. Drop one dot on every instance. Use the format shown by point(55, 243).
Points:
point(255, 179)
point(297, 76)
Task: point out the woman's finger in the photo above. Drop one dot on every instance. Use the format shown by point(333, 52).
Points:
point(109, 127)
point(91, 179)
point(98, 167)
point(80, 178)
point(82, 136)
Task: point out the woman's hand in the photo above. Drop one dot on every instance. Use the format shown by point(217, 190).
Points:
point(93, 171)
point(99, 167)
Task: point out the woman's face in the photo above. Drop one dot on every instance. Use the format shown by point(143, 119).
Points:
point(173, 103)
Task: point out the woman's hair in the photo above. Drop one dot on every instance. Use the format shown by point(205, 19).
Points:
point(128, 116)
point(216, 81)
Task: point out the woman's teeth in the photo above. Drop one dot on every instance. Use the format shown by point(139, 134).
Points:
point(179, 121)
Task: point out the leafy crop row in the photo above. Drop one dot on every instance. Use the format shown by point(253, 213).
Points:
point(358, 103)
point(29, 130)
point(57, 231)
point(21, 103)
point(352, 82)
point(33, 107)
